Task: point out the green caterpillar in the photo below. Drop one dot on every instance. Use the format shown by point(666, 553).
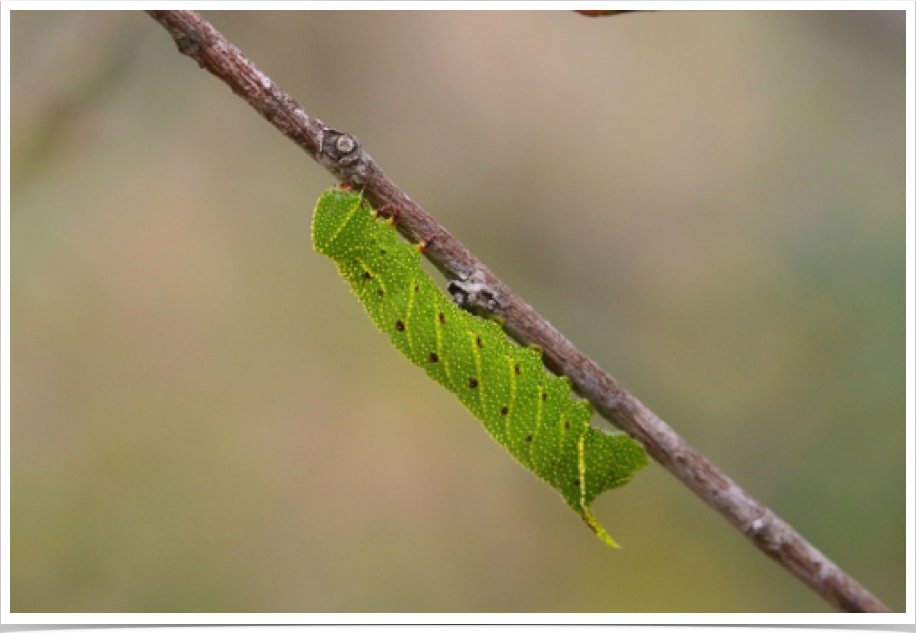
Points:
point(524, 408)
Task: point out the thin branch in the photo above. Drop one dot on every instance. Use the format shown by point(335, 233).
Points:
point(597, 13)
point(342, 155)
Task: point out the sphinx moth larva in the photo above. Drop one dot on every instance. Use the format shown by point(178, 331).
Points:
point(522, 406)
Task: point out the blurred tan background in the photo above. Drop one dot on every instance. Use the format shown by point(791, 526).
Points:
point(709, 204)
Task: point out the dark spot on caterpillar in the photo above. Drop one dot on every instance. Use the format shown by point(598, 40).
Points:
point(355, 261)
point(479, 344)
point(543, 397)
point(505, 411)
point(366, 275)
point(528, 439)
point(441, 318)
point(473, 383)
point(399, 326)
point(518, 372)
point(416, 288)
point(433, 358)
point(576, 483)
point(381, 293)
point(566, 424)
point(384, 252)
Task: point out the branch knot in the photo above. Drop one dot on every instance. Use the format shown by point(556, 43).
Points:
point(340, 147)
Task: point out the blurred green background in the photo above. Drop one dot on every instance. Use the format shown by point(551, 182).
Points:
point(709, 204)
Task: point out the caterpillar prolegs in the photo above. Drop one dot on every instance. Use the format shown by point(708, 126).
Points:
point(522, 406)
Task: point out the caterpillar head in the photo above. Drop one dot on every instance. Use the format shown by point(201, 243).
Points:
point(340, 216)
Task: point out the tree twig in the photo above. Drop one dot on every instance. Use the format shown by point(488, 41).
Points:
point(342, 155)
point(597, 13)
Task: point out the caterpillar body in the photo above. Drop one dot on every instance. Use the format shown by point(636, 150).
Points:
point(523, 407)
